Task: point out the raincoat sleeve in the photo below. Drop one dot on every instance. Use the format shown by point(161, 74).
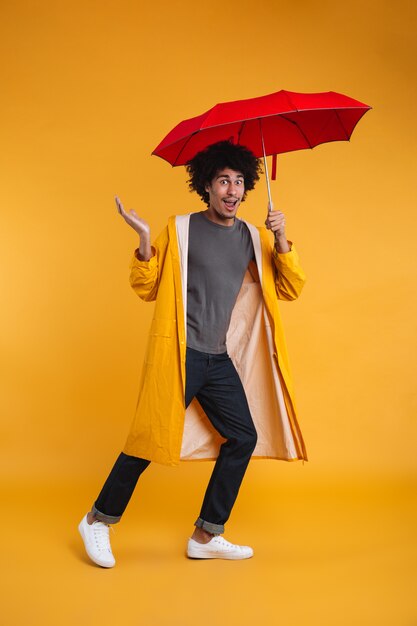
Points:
point(144, 275)
point(289, 275)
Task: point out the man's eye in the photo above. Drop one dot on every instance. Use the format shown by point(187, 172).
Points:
point(239, 182)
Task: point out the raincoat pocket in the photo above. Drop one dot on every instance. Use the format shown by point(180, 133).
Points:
point(161, 336)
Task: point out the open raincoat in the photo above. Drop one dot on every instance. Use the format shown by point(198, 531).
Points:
point(162, 429)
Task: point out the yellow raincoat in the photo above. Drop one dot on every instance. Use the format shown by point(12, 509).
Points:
point(162, 429)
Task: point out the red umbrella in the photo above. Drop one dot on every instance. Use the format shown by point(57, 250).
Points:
point(279, 122)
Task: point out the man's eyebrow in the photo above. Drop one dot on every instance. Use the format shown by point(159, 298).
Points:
point(227, 176)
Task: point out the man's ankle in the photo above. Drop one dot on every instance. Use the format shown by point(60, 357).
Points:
point(91, 518)
point(201, 536)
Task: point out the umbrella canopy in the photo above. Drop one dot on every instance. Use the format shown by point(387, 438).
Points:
point(279, 122)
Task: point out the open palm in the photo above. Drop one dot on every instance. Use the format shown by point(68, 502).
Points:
point(132, 218)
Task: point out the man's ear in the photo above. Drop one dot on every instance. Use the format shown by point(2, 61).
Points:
point(207, 187)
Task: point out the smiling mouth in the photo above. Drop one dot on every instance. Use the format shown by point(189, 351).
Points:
point(230, 204)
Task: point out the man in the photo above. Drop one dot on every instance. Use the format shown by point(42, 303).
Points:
point(216, 370)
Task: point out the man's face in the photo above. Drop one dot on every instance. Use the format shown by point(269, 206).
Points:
point(225, 192)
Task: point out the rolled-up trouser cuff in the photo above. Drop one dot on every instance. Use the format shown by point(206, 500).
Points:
point(106, 519)
point(214, 529)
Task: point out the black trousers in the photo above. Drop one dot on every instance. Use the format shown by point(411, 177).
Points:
point(214, 381)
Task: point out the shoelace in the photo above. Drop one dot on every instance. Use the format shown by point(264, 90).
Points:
point(101, 535)
point(224, 542)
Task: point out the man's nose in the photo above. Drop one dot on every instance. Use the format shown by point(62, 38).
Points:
point(232, 190)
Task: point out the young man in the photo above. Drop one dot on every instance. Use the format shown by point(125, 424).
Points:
point(216, 370)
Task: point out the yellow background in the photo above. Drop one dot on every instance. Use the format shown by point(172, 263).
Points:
point(88, 90)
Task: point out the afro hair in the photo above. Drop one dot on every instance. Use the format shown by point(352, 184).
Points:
point(203, 167)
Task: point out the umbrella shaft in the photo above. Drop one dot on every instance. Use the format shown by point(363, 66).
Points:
point(270, 204)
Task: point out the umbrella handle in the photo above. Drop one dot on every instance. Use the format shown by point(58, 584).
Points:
point(270, 203)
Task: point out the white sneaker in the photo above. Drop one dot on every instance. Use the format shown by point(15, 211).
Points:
point(217, 548)
point(97, 542)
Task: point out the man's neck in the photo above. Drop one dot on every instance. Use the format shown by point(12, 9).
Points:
point(213, 216)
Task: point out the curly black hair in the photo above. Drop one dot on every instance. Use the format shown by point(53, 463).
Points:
point(203, 167)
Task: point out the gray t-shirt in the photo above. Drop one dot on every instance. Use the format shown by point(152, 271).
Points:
point(218, 257)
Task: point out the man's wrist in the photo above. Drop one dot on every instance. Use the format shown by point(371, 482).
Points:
point(144, 251)
point(281, 244)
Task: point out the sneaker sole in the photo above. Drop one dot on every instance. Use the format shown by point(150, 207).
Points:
point(196, 554)
point(94, 559)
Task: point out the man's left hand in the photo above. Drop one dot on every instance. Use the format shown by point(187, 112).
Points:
point(276, 222)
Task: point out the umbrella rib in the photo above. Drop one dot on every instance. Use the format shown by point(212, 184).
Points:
point(183, 147)
point(299, 129)
point(240, 131)
point(340, 122)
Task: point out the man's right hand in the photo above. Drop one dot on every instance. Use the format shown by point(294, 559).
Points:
point(141, 227)
point(137, 223)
